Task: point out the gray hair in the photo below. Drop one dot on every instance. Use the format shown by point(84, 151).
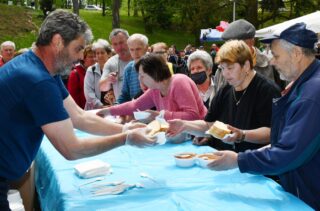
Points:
point(115, 32)
point(287, 46)
point(202, 56)
point(138, 37)
point(101, 43)
point(67, 24)
point(8, 43)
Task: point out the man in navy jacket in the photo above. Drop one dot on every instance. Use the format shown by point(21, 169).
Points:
point(294, 153)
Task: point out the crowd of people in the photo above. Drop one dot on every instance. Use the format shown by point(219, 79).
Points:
point(270, 102)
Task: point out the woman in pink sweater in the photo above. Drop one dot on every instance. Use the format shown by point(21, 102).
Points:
point(177, 95)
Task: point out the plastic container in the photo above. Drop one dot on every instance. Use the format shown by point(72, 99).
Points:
point(185, 159)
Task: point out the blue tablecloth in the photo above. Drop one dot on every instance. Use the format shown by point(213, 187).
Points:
point(177, 188)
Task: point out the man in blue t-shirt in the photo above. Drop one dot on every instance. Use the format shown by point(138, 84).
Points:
point(35, 102)
point(294, 154)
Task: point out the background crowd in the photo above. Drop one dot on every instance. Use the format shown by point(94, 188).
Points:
point(191, 88)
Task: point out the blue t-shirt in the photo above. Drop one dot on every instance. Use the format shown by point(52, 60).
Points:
point(131, 84)
point(29, 98)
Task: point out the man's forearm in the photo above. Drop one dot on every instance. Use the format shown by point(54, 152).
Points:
point(94, 124)
point(96, 145)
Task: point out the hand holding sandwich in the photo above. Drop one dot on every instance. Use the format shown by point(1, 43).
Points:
point(138, 138)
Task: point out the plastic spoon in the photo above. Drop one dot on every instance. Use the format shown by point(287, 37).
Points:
point(95, 180)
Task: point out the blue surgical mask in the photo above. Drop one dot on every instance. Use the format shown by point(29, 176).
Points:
point(199, 78)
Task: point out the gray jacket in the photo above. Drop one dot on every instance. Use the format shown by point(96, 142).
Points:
point(91, 88)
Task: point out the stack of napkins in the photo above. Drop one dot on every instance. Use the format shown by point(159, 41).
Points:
point(92, 168)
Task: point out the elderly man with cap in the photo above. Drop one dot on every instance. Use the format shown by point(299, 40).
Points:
point(243, 30)
point(294, 154)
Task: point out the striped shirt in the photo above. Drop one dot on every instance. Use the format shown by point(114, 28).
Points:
point(131, 84)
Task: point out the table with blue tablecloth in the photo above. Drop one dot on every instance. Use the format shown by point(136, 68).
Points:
point(168, 188)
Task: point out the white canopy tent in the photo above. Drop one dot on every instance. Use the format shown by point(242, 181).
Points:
point(312, 20)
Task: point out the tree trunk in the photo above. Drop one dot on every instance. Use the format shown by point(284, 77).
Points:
point(75, 4)
point(135, 8)
point(252, 12)
point(115, 14)
point(275, 10)
point(298, 8)
point(129, 4)
point(103, 7)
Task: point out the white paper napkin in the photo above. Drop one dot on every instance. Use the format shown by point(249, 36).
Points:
point(92, 168)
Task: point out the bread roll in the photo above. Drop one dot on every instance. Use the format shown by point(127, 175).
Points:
point(219, 130)
point(156, 127)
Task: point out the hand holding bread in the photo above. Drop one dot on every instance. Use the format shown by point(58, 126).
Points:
point(219, 130)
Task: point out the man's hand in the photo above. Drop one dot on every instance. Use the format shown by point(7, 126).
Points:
point(103, 112)
point(138, 137)
point(226, 160)
point(176, 127)
point(235, 135)
point(133, 125)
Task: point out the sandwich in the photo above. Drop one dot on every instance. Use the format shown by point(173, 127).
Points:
point(219, 130)
point(155, 126)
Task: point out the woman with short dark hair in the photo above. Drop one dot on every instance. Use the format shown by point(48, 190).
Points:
point(176, 95)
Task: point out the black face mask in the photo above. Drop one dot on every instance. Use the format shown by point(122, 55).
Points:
point(199, 78)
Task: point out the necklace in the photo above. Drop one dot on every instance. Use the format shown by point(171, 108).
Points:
point(235, 98)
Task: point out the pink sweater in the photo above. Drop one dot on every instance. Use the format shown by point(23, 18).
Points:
point(182, 102)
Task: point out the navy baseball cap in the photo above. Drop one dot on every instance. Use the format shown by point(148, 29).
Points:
point(297, 34)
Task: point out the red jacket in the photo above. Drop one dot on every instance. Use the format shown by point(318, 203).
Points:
point(1, 61)
point(75, 85)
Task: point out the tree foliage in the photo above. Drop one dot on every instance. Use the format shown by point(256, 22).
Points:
point(46, 6)
point(156, 13)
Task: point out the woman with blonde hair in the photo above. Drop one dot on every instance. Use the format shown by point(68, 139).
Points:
point(245, 102)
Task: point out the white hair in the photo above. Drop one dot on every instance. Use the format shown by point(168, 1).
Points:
point(8, 43)
point(287, 46)
point(202, 56)
point(101, 43)
point(138, 37)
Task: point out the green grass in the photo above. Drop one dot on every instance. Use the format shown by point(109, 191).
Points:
point(20, 25)
point(102, 26)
